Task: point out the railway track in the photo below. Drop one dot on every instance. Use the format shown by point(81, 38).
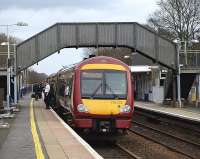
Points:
point(111, 150)
point(114, 151)
point(171, 120)
point(173, 142)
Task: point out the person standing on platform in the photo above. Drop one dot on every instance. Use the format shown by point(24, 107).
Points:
point(46, 94)
point(52, 100)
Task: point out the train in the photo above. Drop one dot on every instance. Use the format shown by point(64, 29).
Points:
point(95, 95)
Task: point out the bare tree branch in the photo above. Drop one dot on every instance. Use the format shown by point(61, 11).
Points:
point(180, 18)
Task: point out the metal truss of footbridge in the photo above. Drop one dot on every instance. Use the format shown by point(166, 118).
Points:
point(76, 35)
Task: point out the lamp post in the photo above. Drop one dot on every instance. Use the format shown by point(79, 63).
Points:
point(15, 75)
point(8, 60)
point(178, 47)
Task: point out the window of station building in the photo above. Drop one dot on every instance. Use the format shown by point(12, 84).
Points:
point(162, 82)
point(163, 75)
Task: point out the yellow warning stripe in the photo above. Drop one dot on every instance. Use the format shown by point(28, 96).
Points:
point(38, 147)
point(103, 66)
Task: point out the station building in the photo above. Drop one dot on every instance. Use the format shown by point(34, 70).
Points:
point(149, 82)
point(148, 79)
point(3, 78)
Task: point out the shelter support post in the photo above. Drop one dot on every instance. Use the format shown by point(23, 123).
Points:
point(174, 88)
point(197, 90)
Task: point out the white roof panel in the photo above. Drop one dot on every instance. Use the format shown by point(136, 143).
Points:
point(140, 68)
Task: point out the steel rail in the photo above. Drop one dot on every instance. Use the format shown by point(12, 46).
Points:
point(162, 118)
point(160, 143)
point(168, 134)
point(128, 152)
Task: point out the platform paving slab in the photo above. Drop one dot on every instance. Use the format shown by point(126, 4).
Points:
point(18, 143)
point(189, 113)
point(58, 141)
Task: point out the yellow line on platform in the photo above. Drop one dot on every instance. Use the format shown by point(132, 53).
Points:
point(38, 147)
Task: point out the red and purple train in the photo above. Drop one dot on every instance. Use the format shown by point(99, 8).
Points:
point(96, 94)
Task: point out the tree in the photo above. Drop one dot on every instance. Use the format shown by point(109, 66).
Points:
point(177, 19)
point(35, 77)
point(4, 49)
point(3, 38)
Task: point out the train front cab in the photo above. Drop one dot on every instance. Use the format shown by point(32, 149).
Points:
point(103, 95)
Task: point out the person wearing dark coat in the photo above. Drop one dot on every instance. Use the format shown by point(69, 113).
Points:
point(51, 97)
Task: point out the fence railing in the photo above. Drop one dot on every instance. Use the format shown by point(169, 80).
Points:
point(3, 59)
point(190, 59)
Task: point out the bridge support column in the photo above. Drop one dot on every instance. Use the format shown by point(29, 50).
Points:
point(197, 90)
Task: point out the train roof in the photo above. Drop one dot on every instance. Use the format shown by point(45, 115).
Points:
point(101, 60)
point(67, 68)
point(96, 59)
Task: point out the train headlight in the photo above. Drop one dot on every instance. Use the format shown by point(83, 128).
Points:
point(125, 109)
point(82, 108)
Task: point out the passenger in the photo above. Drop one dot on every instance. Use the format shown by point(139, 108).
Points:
point(62, 89)
point(46, 94)
point(42, 89)
point(39, 92)
point(36, 91)
point(52, 99)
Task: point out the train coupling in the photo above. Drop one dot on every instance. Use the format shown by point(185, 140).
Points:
point(105, 126)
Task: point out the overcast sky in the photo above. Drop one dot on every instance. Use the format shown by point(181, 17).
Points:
point(40, 14)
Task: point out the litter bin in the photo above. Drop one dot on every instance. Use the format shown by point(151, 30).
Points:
point(146, 97)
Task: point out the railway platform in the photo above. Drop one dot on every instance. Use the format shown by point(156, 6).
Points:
point(39, 133)
point(186, 112)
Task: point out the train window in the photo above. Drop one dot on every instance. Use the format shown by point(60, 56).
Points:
point(91, 84)
point(62, 89)
point(91, 87)
point(68, 88)
point(103, 84)
point(92, 75)
point(115, 83)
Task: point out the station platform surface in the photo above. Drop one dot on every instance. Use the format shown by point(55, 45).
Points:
point(186, 112)
point(39, 133)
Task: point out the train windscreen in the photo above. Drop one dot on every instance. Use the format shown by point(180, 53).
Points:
point(104, 84)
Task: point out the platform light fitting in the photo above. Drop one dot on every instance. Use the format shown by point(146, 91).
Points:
point(126, 56)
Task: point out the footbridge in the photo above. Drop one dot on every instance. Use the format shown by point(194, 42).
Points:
point(77, 35)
